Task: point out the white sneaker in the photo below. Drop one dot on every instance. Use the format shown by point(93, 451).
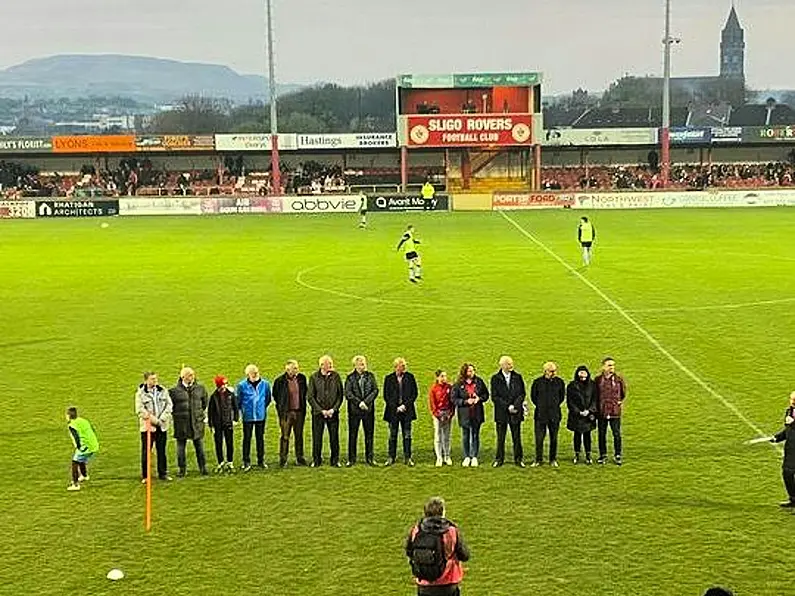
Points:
point(230, 466)
point(466, 462)
point(439, 462)
point(474, 462)
point(83, 478)
point(448, 461)
point(73, 487)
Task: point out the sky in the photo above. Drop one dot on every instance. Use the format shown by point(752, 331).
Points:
point(575, 43)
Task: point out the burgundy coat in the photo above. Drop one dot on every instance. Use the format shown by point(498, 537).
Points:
point(609, 395)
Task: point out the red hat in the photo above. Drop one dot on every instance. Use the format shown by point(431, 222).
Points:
point(220, 381)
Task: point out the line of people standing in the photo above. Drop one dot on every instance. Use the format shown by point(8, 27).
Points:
point(188, 409)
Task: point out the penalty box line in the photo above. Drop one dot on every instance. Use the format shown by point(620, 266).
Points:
point(631, 320)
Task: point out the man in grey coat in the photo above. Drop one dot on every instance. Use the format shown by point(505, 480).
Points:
point(189, 415)
point(361, 389)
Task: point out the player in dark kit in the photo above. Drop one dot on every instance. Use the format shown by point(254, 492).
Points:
point(363, 212)
point(788, 465)
point(409, 244)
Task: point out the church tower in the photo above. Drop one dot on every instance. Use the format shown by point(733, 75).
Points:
point(732, 49)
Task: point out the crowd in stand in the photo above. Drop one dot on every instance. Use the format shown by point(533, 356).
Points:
point(133, 177)
point(689, 177)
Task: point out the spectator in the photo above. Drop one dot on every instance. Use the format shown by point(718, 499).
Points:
point(611, 392)
point(436, 573)
point(361, 389)
point(441, 406)
point(325, 393)
point(153, 404)
point(254, 397)
point(400, 395)
point(547, 394)
point(189, 401)
point(581, 403)
point(289, 393)
point(508, 392)
point(222, 415)
point(469, 394)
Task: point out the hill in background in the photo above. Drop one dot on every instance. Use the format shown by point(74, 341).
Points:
point(144, 79)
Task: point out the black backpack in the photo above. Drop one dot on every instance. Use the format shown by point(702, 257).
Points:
point(428, 560)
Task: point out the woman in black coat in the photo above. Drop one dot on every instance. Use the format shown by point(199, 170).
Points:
point(581, 402)
point(468, 395)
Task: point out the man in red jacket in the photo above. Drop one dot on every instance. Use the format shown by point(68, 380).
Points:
point(611, 391)
point(436, 550)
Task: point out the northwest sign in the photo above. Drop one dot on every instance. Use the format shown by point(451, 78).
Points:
point(470, 130)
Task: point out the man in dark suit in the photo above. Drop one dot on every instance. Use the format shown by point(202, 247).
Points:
point(508, 392)
point(547, 394)
point(400, 393)
point(289, 393)
point(361, 390)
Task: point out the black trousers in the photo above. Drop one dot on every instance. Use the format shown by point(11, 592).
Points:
point(615, 428)
point(516, 439)
point(367, 421)
point(221, 436)
point(789, 482)
point(405, 427)
point(582, 440)
point(450, 590)
point(258, 429)
point(159, 442)
point(319, 424)
point(541, 428)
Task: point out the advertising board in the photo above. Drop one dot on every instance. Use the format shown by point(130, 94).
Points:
point(254, 142)
point(407, 202)
point(175, 143)
point(470, 130)
point(368, 140)
point(575, 137)
point(17, 209)
point(160, 206)
point(103, 208)
point(25, 144)
point(323, 203)
point(229, 205)
point(504, 201)
point(94, 144)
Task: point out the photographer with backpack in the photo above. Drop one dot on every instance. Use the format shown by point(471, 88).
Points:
point(436, 550)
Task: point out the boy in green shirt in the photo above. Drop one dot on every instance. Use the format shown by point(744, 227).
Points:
point(86, 445)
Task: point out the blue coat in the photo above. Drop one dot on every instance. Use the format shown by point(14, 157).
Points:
point(253, 401)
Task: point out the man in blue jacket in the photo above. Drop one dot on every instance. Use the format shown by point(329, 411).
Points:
point(254, 397)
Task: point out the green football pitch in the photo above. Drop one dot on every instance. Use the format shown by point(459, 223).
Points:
point(695, 306)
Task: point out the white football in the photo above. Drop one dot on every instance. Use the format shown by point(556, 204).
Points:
point(104, 225)
point(115, 575)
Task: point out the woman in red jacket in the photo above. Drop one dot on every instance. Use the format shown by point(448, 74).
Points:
point(442, 411)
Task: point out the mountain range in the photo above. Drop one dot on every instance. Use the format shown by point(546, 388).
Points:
point(151, 80)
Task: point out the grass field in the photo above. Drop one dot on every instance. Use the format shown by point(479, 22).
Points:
point(85, 310)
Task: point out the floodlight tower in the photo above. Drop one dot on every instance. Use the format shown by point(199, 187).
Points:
point(276, 176)
point(665, 132)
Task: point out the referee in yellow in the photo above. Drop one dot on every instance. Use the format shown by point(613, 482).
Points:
point(586, 234)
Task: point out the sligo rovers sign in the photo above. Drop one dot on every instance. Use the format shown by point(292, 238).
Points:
point(470, 130)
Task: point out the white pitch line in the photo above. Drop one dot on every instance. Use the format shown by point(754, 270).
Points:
point(299, 279)
point(631, 320)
